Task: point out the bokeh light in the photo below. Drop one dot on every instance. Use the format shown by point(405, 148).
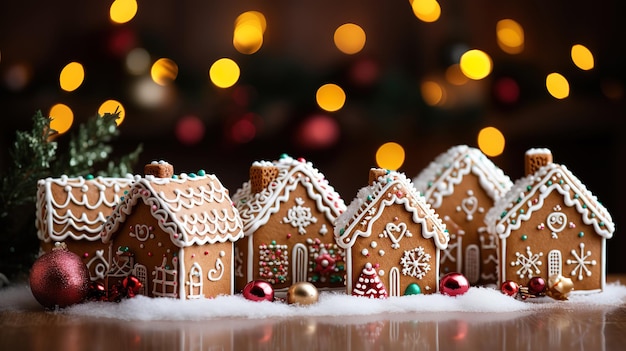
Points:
point(432, 93)
point(475, 64)
point(506, 90)
point(224, 73)
point(243, 130)
point(189, 130)
point(122, 11)
point(17, 76)
point(582, 57)
point(164, 71)
point(61, 117)
point(248, 33)
point(390, 156)
point(364, 72)
point(349, 38)
point(72, 76)
point(455, 76)
point(426, 10)
point(330, 97)
point(137, 61)
point(510, 36)
point(317, 132)
point(111, 106)
point(147, 93)
point(491, 141)
point(557, 85)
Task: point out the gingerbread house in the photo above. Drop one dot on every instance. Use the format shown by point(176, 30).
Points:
point(176, 234)
point(288, 209)
point(391, 230)
point(461, 185)
point(73, 210)
point(549, 224)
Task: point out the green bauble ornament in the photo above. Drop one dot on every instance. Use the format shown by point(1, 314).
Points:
point(413, 289)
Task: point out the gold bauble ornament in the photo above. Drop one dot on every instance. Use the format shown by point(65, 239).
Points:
point(302, 293)
point(559, 287)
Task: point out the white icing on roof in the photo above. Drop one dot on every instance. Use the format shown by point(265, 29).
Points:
point(192, 209)
point(528, 195)
point(448, 169)
point(371, 201)
point(256, 209)
point(540, 151)
point(76, 208)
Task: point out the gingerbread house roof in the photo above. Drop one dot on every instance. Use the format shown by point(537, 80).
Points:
point(440, 177)
point(256, 207)
point(528, 194)
point(76, 208)
point(372, 200)
point(191, 208)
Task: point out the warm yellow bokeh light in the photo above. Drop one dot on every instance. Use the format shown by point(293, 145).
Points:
point(61, 117)
point(582, 57)
point(330, 97)
point(72, 76)
point(111, 106)
point(164, 71)
point(491, 141)
point(252, 17)
point(349, 38)
point(426, 10)
point(248, 38)
point(432, 93)
point(122, 11)
point(475, 64)
point(510, 35)
point(455, 76)
point(557, 85)
point(224, 73)
point(390, 156)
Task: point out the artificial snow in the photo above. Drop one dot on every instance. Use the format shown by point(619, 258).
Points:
point(479, 300)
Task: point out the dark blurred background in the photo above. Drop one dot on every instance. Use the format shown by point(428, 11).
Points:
point(272, 108)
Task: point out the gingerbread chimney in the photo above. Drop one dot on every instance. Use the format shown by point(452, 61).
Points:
point(375, 173)
point(537, 158)
point(159, 169)
point(261, 175)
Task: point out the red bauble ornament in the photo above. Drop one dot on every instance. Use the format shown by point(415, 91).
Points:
point(537, 286)
point(453, 284)
point(59, 278)
point(258, 290)
point(509, 287)
point(131, 285)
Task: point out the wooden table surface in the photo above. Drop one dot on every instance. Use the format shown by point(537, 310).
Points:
point(581, 328)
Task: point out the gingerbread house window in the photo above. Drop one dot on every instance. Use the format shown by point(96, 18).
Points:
point(164, 282)
point(195, 282)
point(141, 272)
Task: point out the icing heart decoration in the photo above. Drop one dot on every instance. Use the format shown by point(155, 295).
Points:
point(469, 205)
point(396, 232)
point(141, 232)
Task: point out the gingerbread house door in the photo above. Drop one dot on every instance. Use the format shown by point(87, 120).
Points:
point(195, 282)
point(394, 282)
point(555, 263)
point(300, 263)
point(472, 263)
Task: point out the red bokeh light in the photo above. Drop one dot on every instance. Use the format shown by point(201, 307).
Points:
point(318, 132)
point(189, 130)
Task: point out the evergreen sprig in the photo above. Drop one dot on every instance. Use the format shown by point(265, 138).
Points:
point(35, 155)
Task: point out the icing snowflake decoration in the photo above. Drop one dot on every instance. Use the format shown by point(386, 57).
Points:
point(299, 216)
point(415, 262)
point(528, 265)
point(581, 262)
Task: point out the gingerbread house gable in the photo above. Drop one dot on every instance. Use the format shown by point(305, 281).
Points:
point(73, 211)
point(548, 222)
point(176, 235)
point(463, 184)
point(288, 209)
point(386, 219)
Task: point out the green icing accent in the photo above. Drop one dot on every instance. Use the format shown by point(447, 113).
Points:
point(581, 234)
point(89, 176)
point(524, 237)
point(201, 173)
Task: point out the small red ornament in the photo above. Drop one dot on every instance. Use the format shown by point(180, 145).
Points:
point(59, 278)
point(453, 284)
point(97, 292)
point(131, 285)
point(537, 286)
point(258, 290)
point(509, 287)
